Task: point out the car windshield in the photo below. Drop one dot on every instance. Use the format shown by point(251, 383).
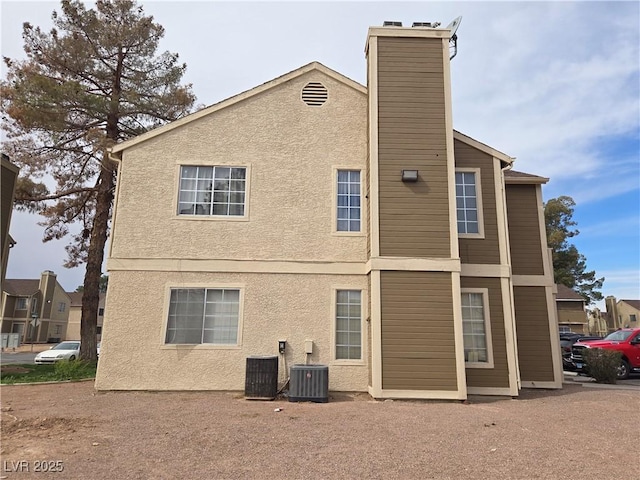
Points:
point(619, 336)
point(67, 346)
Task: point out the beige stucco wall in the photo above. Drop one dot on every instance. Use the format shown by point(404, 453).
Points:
point(290, 150)
point(57, 318)
point(625, 310)
point(276, 306)
point(73, 328)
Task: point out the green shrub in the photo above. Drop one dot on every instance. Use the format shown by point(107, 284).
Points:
point(602, 364)
point(70, 369)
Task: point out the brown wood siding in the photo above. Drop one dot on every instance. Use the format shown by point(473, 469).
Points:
point(414, 218)
point(480, 250)
point(498, 376)
point(532, 325)
point(524, 230)
point(418, 345)
point(571, 312)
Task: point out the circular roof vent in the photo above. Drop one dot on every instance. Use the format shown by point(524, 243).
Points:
point(314, 94)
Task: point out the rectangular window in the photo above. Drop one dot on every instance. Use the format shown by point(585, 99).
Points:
point(198, 315)
point(62, 306)
point(348, 206)
point(57, 329)
point(348, 325)
point(101, 312)
point(476, 329)
point(632, 318)
point(21, 303)
point(212, 191)
point(467, 203)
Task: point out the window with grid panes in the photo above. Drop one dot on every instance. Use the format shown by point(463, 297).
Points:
point(348, 206)
point(348, 325)
point(213, 191)
point(467, 202)
point(474, 328)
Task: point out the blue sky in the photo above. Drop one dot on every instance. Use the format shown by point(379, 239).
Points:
point(554, 84)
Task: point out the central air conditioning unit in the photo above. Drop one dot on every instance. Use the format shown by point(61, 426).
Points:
point(261, 381)
point(309, 383)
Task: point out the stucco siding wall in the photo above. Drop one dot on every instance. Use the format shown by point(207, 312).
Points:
point(73, 326)
point(276, 306)
point(290, 149)
point(625, 311)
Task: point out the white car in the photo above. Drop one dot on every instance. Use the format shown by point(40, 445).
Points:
point(62, 351)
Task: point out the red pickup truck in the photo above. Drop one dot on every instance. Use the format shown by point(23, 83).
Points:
point(625, 340)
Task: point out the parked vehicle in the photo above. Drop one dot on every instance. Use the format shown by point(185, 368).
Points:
point(62, 351)
point(566, 343)
point(624, 340)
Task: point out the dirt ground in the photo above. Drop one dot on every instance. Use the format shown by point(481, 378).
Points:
point(574, 433)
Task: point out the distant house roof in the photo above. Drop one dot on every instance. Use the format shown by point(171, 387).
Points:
point(566, 294)
point(76, 299)
point(21, 287)
point(632, 303)
point(513, 176)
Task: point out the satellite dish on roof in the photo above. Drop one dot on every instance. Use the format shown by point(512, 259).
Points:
point(453, 26)
point(453, 42)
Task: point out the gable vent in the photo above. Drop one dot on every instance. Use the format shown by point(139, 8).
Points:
point(314, 94)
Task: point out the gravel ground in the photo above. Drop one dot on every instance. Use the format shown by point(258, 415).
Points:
point(577, 432)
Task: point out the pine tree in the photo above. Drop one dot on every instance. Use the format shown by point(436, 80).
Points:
point(94, 80)
point(569, 265)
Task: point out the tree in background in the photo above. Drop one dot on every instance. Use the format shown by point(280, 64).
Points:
point(104, 283)
point(569, 265)
point(93, 80)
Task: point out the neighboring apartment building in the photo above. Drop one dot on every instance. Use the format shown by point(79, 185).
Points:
point(8, 177)
point(622, 313)
point(353, 220)
point(75, 316)
point(572, 313)
point(27, 302)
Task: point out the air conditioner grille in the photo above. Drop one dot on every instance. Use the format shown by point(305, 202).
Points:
point(314, 94)
point(309, 383)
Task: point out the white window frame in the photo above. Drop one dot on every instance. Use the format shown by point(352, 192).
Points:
point(210, 164)
point(487, 327)
point(62, 307)
point(202, 346)
point(19, 303)
point(363, 332)
point(479, 209)
point(334, 211)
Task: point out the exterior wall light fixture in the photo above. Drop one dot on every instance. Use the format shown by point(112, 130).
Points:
point(409, 175)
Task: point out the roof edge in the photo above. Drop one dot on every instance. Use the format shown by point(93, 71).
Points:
point(482, 147)
point(238, 98)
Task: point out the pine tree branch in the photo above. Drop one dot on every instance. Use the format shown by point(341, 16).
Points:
point(55, 196)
